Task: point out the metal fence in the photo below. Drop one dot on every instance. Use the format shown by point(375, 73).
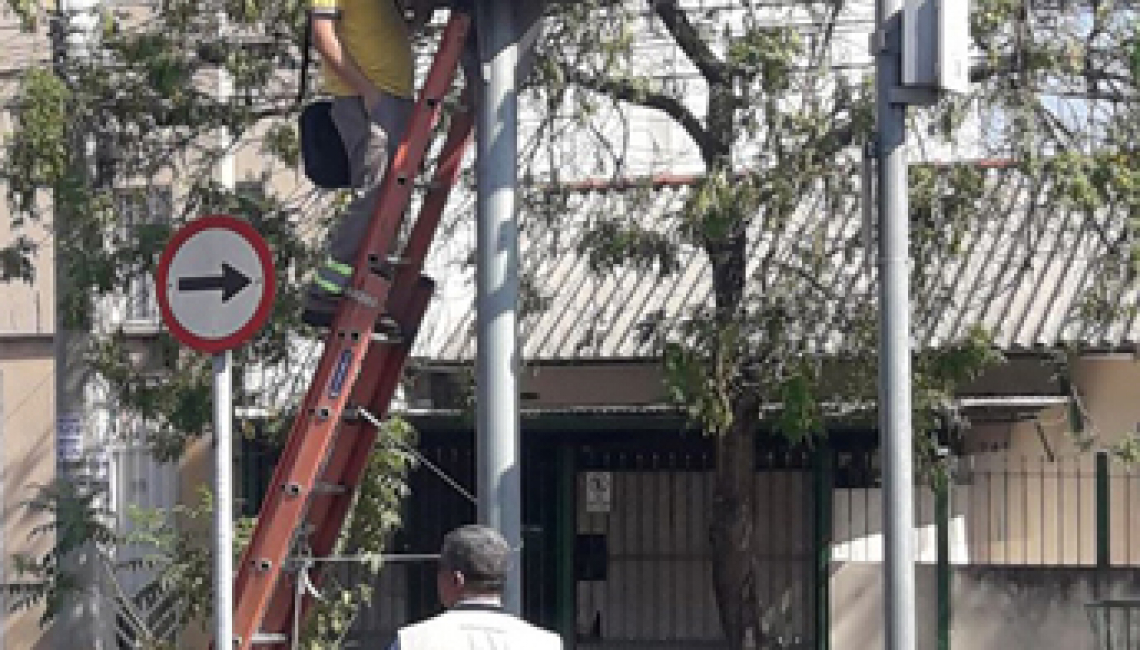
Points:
point(635, 532)
point(1006, 510)
point(1115, 623)
point(643, 565)
point(638, 548)
point(138, 480)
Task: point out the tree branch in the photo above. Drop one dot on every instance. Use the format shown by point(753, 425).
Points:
point(625, 91)
point(685, 34)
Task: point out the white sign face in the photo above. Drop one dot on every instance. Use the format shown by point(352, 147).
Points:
point(215, 283)
point(599, 491)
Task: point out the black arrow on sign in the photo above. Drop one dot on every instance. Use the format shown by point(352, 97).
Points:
point(230, 282)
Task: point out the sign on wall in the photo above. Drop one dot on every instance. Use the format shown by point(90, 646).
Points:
point(599, 491)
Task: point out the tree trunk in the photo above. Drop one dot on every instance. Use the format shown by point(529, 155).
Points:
point(732, 525)
point(732, 532)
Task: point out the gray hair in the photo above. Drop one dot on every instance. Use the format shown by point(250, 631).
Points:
point(479, 553)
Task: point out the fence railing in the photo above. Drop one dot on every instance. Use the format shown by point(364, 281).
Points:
point(1024, 511)
point(1115, 623)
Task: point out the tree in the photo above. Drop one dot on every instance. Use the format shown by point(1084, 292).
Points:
point(145, 98)
point(773, 123)
point(773, 114)
point(171, 551)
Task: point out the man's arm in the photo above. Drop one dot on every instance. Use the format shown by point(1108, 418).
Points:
point(326, 38)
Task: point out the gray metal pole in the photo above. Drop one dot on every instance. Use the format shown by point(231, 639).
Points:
point(77, 36)
point(223, 420)
point(497, 285)
point(894, 335)
point(223, 504)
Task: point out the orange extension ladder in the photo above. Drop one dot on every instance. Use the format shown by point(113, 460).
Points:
point(333, 433)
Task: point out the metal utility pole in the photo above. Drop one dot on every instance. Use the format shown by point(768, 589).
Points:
point(498, 472)
point(76, 36)
point(894, 331)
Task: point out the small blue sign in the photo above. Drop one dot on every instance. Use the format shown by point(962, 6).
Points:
point(339, 374)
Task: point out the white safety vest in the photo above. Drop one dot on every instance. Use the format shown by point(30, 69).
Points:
point(476, 627)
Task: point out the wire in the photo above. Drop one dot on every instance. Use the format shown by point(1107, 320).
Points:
point(420, 457)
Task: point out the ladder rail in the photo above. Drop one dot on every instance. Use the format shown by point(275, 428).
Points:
point(350, 465)
point(311, 437)
point(297, 471)
point(374, 393)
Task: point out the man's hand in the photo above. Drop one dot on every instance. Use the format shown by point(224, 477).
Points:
point(419, 12)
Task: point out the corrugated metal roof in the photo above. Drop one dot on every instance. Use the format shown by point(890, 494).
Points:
point(1024, 272)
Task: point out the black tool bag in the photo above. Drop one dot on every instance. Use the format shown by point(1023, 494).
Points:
point(323, 156)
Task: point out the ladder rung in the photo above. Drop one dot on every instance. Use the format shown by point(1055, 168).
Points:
point(386, 267)
point(361, 297)
point(329, 488)
point(387, 330)
point(387, 338)
point(355, 413)
point(267, 638)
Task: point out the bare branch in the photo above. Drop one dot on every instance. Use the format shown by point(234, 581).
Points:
point(689, 40)
point(625, 91)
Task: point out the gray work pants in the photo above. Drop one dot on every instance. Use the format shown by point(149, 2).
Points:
point(370, 137)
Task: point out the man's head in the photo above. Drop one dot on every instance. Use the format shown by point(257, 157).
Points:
point(474, 561)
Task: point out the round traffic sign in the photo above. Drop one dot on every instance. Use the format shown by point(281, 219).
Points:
point(215, 283)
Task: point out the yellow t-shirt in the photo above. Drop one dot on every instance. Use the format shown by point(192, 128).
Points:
point(375, 35)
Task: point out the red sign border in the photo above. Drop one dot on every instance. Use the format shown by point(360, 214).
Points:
point(247, 232)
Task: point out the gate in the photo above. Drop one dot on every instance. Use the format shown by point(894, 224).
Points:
point(642, 560)
point(615, 541)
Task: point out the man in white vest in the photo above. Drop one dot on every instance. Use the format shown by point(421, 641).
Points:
point(473, 566)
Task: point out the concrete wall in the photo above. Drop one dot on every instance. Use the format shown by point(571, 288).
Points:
point(857, 618)
point(563, 386)
point(1009, 608)
point(1031, 608)
point(27, 459)
point(27, 440)
point(1107, 388)
point(991, 608)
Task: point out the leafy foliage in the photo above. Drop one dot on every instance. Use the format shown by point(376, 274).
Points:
point(133, 116)
point(771, 117)
point(74, 517)
point(172, 549)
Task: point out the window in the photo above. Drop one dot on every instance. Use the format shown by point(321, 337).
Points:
point(138, 208)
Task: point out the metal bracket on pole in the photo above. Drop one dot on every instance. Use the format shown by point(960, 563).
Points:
point(886, 41)
point(877, 42)
point(871, 147)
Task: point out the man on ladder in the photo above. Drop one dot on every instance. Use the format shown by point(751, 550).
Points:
point(368, 67)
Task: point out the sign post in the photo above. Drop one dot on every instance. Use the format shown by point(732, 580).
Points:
point(223, 503)
point(215, 288)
